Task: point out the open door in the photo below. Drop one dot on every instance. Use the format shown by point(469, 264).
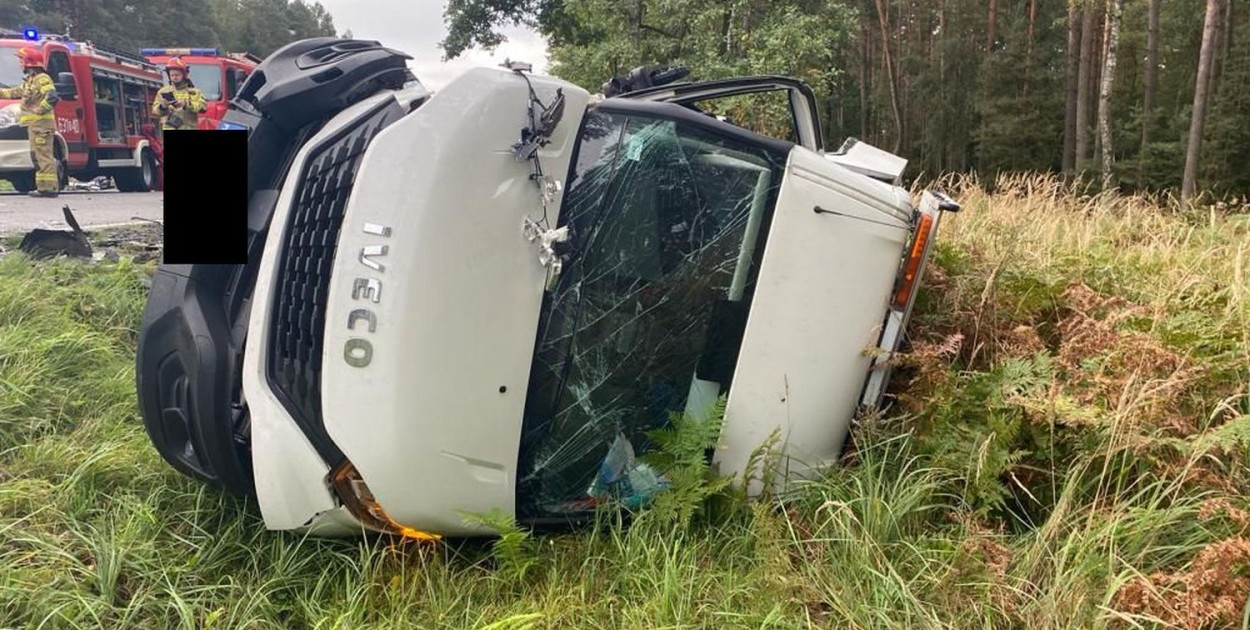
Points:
point(796, 95)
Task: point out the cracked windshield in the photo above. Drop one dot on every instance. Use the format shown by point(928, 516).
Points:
point(668, 221)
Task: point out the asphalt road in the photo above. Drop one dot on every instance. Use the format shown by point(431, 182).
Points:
point(20, 213)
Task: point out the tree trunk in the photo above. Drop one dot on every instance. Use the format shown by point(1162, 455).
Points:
point(1028, 55)
point(1217, 54)
point(891, 76)
point(991, 26)
point(1152, 78)
point(1070, 85)
point(1104, 95)
point(1189, 183)
point(1084, 81)
point(1228, 28)
point(946, 158)
point(941, 35)
point(865, 81)
point(725, 36)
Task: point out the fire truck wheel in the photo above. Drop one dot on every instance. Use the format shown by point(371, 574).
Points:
point(62, 173)
point(141, 179)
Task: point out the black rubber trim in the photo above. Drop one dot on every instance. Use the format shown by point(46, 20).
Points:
point(307, 78)
point(13, 132)
point(187, 374)
point(672, 111)
point(685, 93)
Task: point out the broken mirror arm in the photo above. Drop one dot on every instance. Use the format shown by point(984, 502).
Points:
point(542, 120)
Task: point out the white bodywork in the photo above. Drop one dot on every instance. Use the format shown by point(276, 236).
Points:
point(869, 160)
point(434, 273)
point(290, 475)
point(455, 298)
point(459, 290)
point(135, 159)
point(824, 284)
point(15, 156)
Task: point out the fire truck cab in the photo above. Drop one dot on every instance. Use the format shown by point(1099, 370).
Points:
point(104, 124)
point(218, 76)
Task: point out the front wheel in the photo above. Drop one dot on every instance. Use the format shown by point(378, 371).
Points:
point(23, 182)
point(141, 178)
point(62, 173)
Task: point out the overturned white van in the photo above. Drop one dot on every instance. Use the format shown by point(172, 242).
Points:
point(467, 300)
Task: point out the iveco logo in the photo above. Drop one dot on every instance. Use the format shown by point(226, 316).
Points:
point(358, 351)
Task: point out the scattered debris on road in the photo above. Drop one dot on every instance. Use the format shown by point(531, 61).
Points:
point(40, 243)
point(143, 242)
point(100, 183)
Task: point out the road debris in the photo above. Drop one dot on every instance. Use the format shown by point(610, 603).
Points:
point(97, 184)
point(40, 243)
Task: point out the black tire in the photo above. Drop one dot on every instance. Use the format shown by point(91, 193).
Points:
point(139, 179)
point(23, 182)
point(62, 172)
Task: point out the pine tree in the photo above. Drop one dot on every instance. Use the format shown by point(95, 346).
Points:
point(1189, 183)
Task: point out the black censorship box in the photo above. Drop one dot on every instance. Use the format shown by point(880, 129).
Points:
point(205, 197)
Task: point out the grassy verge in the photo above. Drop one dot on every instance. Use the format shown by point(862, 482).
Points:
point(1069, 450)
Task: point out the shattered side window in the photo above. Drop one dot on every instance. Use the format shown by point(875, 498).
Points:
point(667, 222)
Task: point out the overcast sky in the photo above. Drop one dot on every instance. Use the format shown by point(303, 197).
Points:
point(416, 27)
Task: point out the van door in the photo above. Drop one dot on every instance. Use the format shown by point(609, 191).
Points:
point(789, 98)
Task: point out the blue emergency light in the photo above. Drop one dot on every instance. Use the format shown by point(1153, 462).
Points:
point(179, 52)
point(31, 34)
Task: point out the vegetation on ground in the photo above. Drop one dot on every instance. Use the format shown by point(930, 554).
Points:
point(1068, 450)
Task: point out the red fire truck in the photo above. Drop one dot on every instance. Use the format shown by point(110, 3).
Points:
point(104, 124)
point(218, 76)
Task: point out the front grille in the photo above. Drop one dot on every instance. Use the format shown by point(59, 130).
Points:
point(308, 248)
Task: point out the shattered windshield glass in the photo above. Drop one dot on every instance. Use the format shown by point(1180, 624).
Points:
point(667, 221)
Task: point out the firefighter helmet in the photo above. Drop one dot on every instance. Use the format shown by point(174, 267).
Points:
point(30, 57)
point(176, 63)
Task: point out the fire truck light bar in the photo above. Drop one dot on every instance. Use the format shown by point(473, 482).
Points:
point(179, 52)
point(31, 35)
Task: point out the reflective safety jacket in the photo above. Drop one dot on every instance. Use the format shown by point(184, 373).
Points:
point(38, 95)
point(183, 110)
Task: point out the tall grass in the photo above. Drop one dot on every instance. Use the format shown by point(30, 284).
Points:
point(1068, 450)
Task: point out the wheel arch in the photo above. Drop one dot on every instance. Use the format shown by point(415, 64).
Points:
point(138, 153)
point(60, 147)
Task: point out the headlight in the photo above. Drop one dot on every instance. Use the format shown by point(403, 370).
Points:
point(9, 115)
point(355, 495)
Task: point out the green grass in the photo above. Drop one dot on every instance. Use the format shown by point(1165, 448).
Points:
point(1068, 478)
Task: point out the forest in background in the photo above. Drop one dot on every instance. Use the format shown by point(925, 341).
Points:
point(1107, 89)
point(256, 26)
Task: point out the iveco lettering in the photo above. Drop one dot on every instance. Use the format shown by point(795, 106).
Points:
point(468, 300)
point(358, 352)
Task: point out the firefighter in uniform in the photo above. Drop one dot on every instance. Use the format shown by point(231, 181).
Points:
point(180, 103)
point(38, 95)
